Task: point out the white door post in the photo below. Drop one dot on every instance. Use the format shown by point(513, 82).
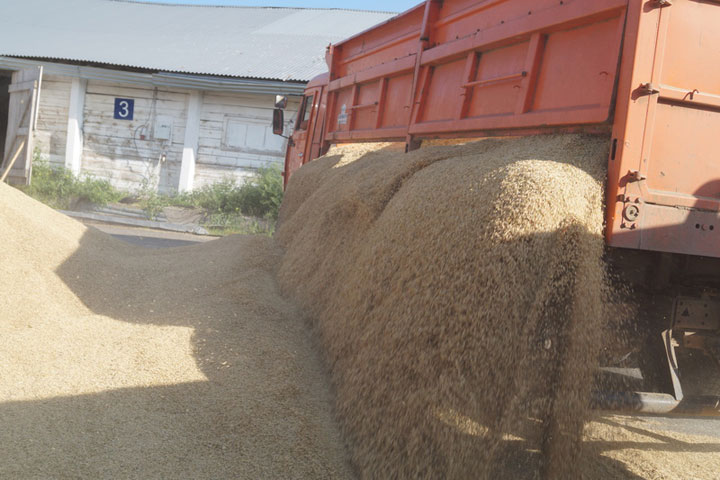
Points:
point(192, 133)
point(74, 144)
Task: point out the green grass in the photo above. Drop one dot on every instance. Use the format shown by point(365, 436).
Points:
point(250, 207)
point(59, 188)
point(227, 224)
point(259, 196)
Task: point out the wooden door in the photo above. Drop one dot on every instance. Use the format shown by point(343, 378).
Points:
point(22, 116)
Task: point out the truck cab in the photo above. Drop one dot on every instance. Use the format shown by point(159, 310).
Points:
point(306, 142)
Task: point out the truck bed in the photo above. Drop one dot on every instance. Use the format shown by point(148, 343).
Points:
point(645, 73)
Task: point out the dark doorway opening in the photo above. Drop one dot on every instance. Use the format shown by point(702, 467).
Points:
point(5, 80)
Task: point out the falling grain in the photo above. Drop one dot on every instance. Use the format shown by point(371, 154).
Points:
point(459, 295)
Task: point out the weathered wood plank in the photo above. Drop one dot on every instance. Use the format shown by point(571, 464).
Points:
point(51, 124)
point(57, 79)
point(22, 116)
point(123, 129)
point(134, 91)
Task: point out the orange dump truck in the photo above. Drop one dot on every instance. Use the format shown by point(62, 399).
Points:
point(644, 72)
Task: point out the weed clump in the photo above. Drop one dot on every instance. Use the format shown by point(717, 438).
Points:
point(258, 196)
point(227, 203)
point(57, 187)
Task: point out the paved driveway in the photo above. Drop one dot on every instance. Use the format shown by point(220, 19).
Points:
point(149, 238)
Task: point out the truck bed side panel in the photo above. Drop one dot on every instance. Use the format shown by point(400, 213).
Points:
point(482, 66)
point(668, 182)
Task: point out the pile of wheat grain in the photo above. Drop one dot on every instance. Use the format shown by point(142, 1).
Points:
point(123, 362)
point(458, 292)
point(454, 290)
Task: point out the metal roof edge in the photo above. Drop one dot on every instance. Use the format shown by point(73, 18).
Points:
point(238, 85)
point(161, 79)
point(167, 4)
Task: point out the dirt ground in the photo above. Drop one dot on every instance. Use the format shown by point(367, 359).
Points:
point(147, 237)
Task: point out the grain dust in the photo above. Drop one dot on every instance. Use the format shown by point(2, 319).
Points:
point(459, 294)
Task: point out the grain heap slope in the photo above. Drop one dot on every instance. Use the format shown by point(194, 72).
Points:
point(459, 294)
point(124, 362)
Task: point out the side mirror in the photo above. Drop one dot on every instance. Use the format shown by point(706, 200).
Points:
point(278, 121)
point(281, 101)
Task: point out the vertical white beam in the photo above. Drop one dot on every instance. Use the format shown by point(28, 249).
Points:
point(74, 143)
point(192, 133)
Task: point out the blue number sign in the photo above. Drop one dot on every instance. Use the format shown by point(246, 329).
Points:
point(124, 108)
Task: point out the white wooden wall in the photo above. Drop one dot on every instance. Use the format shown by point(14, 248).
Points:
point(235, 134)
point(115, 150)
point(52, 118)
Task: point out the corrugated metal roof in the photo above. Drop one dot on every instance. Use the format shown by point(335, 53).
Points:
point(247, 42)
point(159, 79)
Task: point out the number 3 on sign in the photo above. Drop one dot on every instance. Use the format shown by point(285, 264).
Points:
point(124, 108)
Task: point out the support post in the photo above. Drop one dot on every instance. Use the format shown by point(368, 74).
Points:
point(536, 49)
point(432, 10)
point(74, 142)
point(192, 133)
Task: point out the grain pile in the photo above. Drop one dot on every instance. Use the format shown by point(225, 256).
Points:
point(458, 292)
point(123, 362)
point(625, 447)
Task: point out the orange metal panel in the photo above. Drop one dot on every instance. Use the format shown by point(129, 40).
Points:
point(498, 81)
point(391, 40)
point(393, 68)
point(667, 174)
point(443, 91)
point(481, 20)
point(579, 66)
point(504, 31)
point(307, 143)
point(648, 70)
point(574, 74)
point(395, 111)
point(494, 64)
point(382, 134)
point(541, 121)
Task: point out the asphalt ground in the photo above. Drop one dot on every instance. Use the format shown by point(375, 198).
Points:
point(150, 238)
